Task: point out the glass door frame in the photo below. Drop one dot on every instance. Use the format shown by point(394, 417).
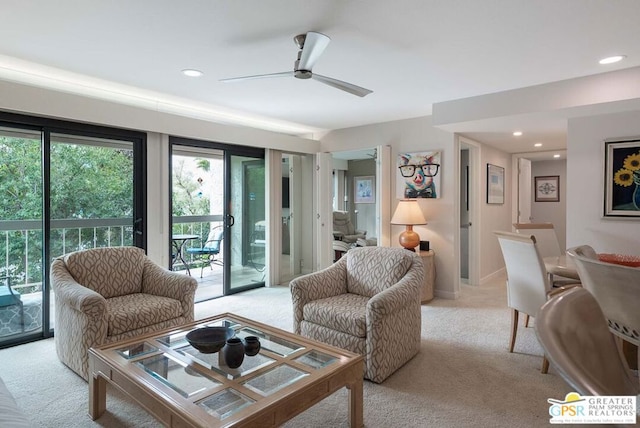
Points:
point(229, 150)
point(46, 127)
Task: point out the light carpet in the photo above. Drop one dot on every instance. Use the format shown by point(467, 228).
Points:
point(463, 376)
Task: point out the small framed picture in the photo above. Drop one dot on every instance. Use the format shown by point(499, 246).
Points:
point(495, 184)
point(547, 188)
point(364, 190)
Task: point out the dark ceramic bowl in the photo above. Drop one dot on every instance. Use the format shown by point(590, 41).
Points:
point(209, 339)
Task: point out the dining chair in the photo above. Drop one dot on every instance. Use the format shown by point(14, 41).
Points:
point(548, 246)
point(528, 285)
point(616, 288)
point(546, 237)
point(574, 333)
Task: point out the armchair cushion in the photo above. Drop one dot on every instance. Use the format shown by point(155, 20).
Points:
point(345, 313)
point(139, 310)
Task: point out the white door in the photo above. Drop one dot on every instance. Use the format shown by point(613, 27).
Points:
point(524, 190)
point(324, 210)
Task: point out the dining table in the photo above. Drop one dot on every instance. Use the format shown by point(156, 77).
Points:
point(179, 241)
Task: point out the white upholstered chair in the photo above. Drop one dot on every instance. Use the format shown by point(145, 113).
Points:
point(574, 333)
point(546, 237)
point(368, 303)
point(103, 295)
point(548, 246)
point(616, 288)
point(528, 285)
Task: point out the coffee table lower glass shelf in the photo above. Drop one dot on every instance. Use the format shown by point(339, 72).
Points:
point(181, 386)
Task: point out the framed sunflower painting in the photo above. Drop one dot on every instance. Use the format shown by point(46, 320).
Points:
point(622, 179)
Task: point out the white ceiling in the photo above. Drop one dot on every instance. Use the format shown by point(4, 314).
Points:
point(411, 53)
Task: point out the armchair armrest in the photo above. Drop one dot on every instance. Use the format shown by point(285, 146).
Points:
point(328, 282)
point(70, 293)
point(361, 232)
point(162, 282)
point(403, 294)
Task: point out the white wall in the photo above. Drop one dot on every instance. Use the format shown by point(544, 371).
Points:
point(492, 216)
point(585, 188)
point(413, 135)
point(551, 212)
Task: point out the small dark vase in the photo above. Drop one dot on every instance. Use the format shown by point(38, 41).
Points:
point(251, 345)
point(233, 353)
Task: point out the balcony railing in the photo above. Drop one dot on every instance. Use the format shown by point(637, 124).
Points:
point(21, 242)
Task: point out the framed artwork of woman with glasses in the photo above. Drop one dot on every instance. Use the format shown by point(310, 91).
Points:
point(418, 175)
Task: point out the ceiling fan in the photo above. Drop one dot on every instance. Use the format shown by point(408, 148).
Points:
point(311, 46)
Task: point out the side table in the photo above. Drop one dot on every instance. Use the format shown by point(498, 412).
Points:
point(429, 274)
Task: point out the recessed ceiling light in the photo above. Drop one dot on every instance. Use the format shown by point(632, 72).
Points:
point(517, 133)
point(537, 145)
point(192, 73)
point(556, 155)
point(612, 59)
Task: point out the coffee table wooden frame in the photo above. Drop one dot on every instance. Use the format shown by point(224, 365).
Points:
point(106, 364)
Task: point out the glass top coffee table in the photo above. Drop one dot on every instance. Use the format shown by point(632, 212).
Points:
point(181, 386)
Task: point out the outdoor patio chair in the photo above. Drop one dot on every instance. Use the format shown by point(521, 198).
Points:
point(209, 249)
point(10, 297)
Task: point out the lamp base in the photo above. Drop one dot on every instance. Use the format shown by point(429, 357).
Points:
point(409, 239)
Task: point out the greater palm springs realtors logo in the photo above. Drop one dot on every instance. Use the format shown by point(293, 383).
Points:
point(590, 409)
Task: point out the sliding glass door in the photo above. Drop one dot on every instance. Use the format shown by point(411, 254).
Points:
point(65, 187)
point(21, 234)
point(246, 223)
point(218, 207)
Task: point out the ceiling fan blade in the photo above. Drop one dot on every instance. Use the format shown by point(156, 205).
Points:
point(347, 87)
point(258, 76)
point(314, 45)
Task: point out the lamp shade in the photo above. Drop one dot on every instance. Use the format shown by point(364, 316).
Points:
point(408, 212)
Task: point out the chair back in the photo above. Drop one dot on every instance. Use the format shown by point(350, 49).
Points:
point(8, 296)
point(546, 237)
point(342, 223)
point(214, 239)
point(616, 288)
point(109, 271)
point(371, 270)
point(527, 279)
point(573, 331)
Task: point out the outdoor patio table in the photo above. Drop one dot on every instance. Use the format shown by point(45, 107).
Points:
point(179, 241)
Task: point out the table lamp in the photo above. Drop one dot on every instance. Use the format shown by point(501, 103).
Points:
point(409, 213)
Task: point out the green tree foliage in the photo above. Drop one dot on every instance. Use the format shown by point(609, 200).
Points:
point(188, 197)
point(90, 182)
point(20, 179)
point(87, 181)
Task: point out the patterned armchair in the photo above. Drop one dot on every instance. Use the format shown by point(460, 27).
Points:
point(104, 295)
point(368, 303)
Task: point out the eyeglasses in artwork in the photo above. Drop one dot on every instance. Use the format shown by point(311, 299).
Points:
point(418, 175)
